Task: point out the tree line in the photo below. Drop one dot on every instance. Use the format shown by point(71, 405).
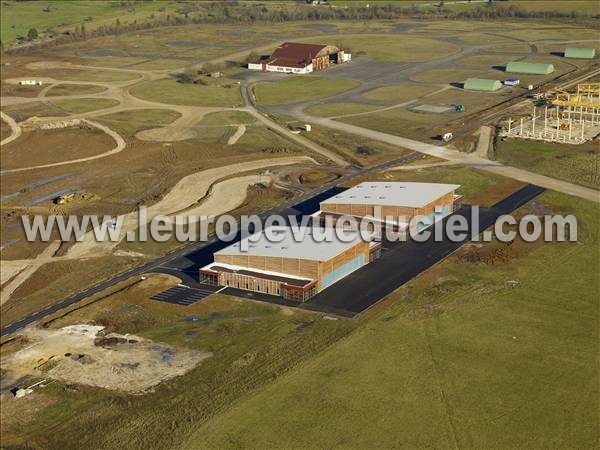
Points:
point(243, 13)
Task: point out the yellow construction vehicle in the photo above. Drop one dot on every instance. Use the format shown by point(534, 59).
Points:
point(65, 198)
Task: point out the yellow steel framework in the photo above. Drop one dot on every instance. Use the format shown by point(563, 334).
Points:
point(587, 96)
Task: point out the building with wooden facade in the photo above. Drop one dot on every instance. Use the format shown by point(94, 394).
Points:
point(295, 267)
point(397, 201)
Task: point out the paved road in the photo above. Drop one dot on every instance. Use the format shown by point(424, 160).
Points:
point(184, 261)
point(286, 132)
point(464, 158)
point(402, 261)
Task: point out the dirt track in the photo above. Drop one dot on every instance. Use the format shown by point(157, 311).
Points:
point(15, 129)
point(241, 129)
point(120, 146)
point(196, 186)
point(22, 271)
point(216, 198)
point(223, 196)
point(180, 129)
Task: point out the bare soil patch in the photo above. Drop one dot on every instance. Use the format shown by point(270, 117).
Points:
point(84, 354)
point(434, 109)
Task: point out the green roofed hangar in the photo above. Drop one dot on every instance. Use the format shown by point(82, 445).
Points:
point(481, 84)
point(529, 68)
point(580, 52)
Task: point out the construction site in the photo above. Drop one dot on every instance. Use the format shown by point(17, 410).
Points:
point(560, 116)
point(453, 112)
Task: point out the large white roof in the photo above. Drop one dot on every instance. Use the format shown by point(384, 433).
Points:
point(415, 195)
point(306, 247)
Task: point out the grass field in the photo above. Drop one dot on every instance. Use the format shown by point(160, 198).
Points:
point(417, 125)
point(496, 347)
point(224, 93)
point(130, 122)
point(578, 6)
point(362, 151)
point(27, 110)
point(447, 76)
point(50, 146)
point(86, 75)
point(19, 17)
point(252, 343)
point(338, 109)
point(74, 89)
point(578, 164)
point(299, 88)
point(456, 358)
point(227, 118)
point(81, 105)
point(392, 48)
point(398, 93)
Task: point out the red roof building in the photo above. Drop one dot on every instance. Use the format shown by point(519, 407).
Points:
point(293, 57)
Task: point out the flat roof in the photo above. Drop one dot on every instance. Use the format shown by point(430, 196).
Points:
point(392, 193)
point(306, 247)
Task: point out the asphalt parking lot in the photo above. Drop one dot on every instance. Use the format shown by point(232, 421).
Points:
point(405, 260)
point(399, 263)
point(184, 295)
